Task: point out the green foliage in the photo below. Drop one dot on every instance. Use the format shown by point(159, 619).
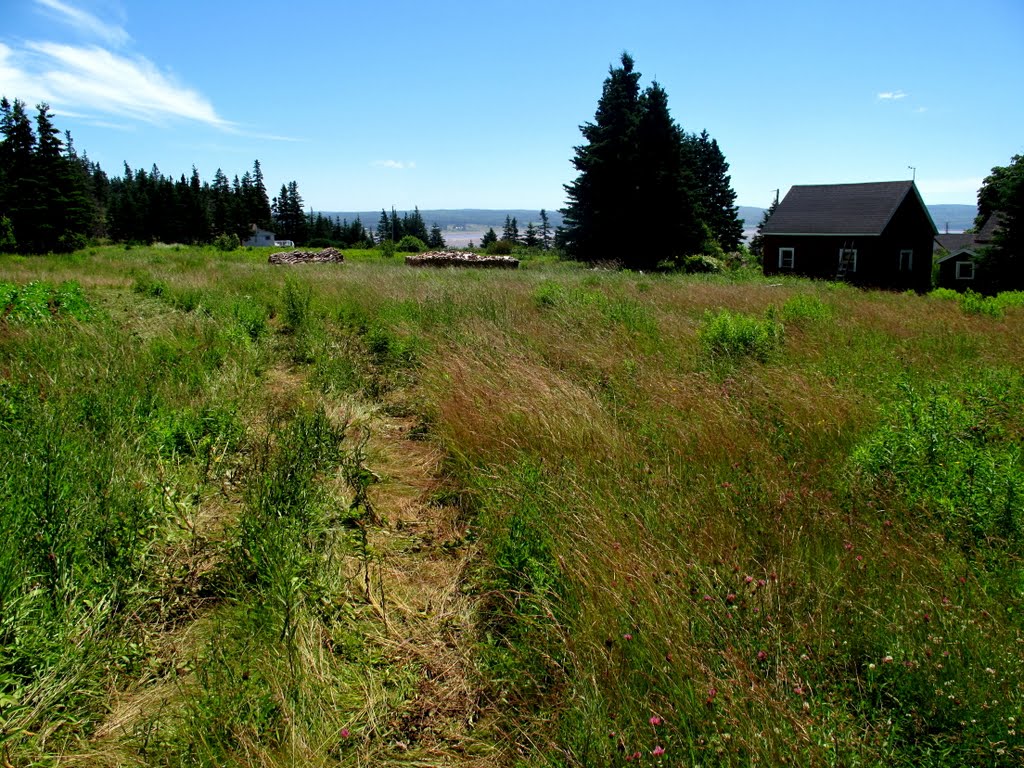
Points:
point(944, 294)
point(972, 303)
point(733, 335)
point(804, 307)
point(956, 457)
point(500, 248)
point(387, 249)
point(227, 242)
point(637, 165)
point(296, 300)
point(410, 244)
point(39, 302)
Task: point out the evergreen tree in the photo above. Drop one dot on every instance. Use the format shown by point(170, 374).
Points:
point(436, 239)
point(664, 187)
point(384, 228)
point(604, 193)
point(545, 230)
point(511, 230)
point(490, 236)
point(530, 238)
point(718, 207)
point(414, 225)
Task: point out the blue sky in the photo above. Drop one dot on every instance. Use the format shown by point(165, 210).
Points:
point(467, 104)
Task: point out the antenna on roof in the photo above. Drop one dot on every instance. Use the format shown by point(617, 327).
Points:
point(776, 196)
point(914, 169)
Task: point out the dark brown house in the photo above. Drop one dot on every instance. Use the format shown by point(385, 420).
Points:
point(877, 234)
point(958, 264)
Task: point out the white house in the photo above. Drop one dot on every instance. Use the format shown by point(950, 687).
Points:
point(259, 237)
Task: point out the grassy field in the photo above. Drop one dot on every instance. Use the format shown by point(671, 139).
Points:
point(363, 514)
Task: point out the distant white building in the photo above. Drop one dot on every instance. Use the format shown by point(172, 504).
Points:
point(259, 238)
point(284, 243)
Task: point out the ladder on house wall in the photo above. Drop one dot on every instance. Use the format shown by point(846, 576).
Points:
point(844, 259)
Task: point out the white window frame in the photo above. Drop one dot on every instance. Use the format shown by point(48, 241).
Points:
point(959, 271)
point(787, 254)
point(843, 252)
point(907, 260)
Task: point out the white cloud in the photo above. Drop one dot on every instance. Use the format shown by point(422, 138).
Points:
point(100, 81)
point(891, 95)
point(86, 23)
point(394, 164)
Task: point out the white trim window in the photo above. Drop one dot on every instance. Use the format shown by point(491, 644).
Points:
point(848, 259)
point(787, 258)
point(906, 260)
point(965, 270)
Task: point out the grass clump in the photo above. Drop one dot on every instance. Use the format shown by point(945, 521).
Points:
point(733, 335)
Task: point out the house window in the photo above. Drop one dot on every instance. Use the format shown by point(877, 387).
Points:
point(906, 260)
point(847, 260)
point(786, 258)
point(965, 270)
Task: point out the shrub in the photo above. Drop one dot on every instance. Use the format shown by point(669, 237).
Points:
point(734, 335)
point(387, 249)
point(411, 244)
point(227, 242)
point(947, 294)
point(701, 264)
point(500, 248)
point(804, 307)
point(296, 299)
point(972, 303)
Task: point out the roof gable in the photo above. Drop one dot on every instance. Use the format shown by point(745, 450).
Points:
point(841, 209)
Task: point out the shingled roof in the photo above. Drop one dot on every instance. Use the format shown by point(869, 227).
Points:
point(840, 209)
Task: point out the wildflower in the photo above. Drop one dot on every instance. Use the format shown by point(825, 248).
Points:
point(658, 750)
point(730, 597)
point(761, 655)
point(761, 582)
point(871, 666)
point(627, 636)
point(887, 659)
point(655, 720)
point(748, 579)
point(345, 733)
point(847, 545)
point(798, 690)
point(708, 598)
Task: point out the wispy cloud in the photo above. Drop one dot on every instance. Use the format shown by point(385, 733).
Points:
point(891, 95)
point(93, 79)
point(397, 165)
point(85, 23)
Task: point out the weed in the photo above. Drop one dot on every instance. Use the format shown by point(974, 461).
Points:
point(731, 335)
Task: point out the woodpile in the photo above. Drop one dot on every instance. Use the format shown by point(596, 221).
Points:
point(325, 256)
point(460, 259)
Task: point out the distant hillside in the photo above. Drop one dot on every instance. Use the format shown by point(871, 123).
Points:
point(473, 219)
point(957, 217)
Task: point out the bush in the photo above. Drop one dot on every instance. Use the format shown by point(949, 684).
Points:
point(411, 244)
point(804, 307)
point(500, 248)
point(702, 264)
point(947, 294)
point(227, 242)
point(387, 249)
point(972, 303)
point(734, 335)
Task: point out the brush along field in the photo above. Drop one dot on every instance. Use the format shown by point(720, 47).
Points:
point(366, 515)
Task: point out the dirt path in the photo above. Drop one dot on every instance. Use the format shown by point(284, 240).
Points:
point(429, 619)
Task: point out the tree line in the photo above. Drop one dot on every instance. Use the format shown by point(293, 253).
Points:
point(638, 168)
point(53, 199)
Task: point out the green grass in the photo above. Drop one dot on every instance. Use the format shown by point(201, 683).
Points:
point(737, 521)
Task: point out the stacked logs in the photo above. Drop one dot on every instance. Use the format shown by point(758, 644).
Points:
point(325, 256)
point(460, 259)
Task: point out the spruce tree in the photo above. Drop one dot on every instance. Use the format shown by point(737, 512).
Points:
point(436, 239)
point(530, 238)
point(718, 207)
point(545, 230)
point(603, 196)
point(490, 236)
point(663, 188)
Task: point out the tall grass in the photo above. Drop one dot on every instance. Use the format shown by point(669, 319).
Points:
point(726, 522)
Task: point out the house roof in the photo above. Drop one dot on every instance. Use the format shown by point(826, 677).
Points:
point(841, 209)
point(954, 241)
